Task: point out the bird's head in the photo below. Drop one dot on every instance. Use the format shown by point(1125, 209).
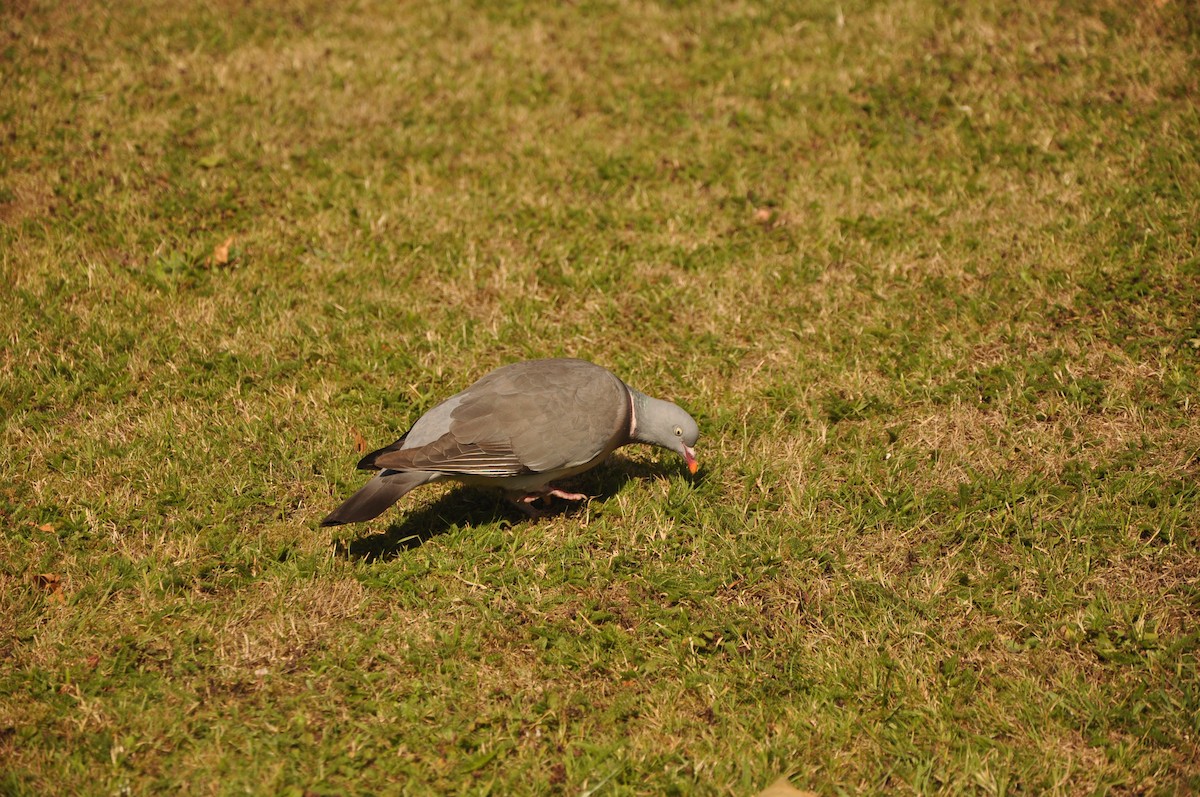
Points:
point(664, 424)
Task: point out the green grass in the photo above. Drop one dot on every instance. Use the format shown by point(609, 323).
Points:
point(927, 274)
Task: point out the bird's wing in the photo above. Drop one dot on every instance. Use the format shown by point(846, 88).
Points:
point(531, 417)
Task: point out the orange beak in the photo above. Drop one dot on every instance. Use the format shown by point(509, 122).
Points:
point(689, 456)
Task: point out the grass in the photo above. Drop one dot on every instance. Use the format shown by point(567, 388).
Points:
point(927, 274)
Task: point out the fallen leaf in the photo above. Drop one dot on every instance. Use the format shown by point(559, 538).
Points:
point(52, 583)
point(220, 254)
point(762, 215)
point(46, 527)
point(211, 161)
point(360, 442)
point(92, 661)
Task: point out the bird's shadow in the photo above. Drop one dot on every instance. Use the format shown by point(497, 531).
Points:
point(467, 507)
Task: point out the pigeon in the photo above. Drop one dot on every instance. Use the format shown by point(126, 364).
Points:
point(519, 428)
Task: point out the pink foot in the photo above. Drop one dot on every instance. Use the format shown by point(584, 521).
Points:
point(557, 493)
point(524, 502)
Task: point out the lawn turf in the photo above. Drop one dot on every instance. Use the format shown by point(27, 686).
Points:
point(926, 273)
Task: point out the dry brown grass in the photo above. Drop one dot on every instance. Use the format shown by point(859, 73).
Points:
point(926, 275)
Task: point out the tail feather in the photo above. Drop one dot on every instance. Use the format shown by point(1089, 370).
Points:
point(376, 496)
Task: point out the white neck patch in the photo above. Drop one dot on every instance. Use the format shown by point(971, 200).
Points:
point(632, 416)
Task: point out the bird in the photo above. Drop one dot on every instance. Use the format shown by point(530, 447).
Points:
point(519, 428)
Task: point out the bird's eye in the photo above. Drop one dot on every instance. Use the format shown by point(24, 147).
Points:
point(678, 432)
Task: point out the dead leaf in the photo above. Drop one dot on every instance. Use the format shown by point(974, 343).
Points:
point(763, 215)
point(92, 661)
point(360, 442)
point(52, 583)
point(220, 253)
point(46, 527)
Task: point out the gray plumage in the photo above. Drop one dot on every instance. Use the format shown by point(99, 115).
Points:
point(519, 428)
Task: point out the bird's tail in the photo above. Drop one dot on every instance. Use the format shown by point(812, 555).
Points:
point(376, 496)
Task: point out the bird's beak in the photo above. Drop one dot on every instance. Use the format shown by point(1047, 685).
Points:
point(689, 456)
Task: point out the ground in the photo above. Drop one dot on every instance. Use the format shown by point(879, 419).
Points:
point(926, 274)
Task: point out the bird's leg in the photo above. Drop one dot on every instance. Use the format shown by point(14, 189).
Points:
point(557, 493)
point(524, 502)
